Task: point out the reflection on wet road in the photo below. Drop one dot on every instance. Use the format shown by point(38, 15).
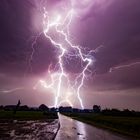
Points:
point(74, 130)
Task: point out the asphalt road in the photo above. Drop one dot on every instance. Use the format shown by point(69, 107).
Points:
point(75, 130)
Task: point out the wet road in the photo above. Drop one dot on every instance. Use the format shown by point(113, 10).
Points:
point(74, 130)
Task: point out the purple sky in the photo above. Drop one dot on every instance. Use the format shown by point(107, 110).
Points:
point(114, 25)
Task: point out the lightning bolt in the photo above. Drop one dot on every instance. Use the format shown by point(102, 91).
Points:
point(11, 90)
point(62, 28)
point(35, 38)
point(124, 66)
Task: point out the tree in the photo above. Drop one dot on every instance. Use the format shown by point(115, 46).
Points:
point(96, 109)
point(43, 107)
point(1, 107)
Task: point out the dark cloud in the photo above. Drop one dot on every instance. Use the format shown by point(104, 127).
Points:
point(116, 27)
point(16, 38)
point(119, 79)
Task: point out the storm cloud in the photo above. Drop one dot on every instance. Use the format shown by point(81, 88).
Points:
point(109, 27)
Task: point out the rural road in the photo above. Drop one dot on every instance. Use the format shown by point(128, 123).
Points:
point(75, 130)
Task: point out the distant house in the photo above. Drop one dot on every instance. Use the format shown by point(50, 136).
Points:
point(53, 109)
point(87, 110)
point(65, 109)
point(24, 108)
point(10, 107)
point(75, 110)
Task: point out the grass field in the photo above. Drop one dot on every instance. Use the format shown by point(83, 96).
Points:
point(26, 115)
point(125, 125)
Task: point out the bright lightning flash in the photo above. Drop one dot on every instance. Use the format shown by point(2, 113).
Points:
point(61, 27)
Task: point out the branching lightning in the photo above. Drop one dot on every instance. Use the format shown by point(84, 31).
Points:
point(61, 25)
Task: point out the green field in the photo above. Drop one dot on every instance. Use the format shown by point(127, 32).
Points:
point(124, 125)
point(26, 115)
